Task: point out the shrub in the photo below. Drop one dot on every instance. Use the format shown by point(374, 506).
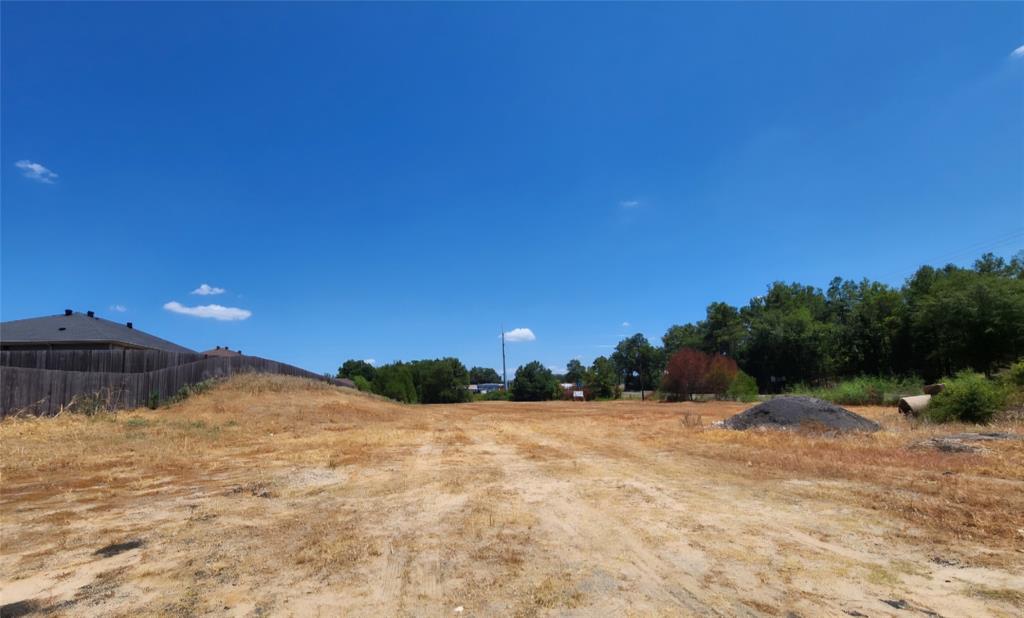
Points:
point(722, 370)
point(742, 388)
point(862, 391)
point(395, 382)
point(493, 396)
point(685, 375)
point(153, 401)
point(969, 398)
point(1014, 376)
point(362, 383)
point(535, 382)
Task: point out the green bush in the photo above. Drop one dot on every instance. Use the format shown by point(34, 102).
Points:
point(1014, 376)
point(493, 396)
point(395, 382)
point(742, 388)
point(862, 391)
point(534, 382)
point(968, 397)
point(362, 383)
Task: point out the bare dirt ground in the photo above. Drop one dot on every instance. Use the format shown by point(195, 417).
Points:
point(276, 496)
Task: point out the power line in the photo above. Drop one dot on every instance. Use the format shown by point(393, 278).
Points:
point(979, 247)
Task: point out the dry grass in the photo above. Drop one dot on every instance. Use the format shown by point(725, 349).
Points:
point(281, 495)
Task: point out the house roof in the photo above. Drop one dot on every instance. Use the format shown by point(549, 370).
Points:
point(219, 351)
point(80, 328)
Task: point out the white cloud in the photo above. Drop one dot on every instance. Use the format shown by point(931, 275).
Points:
point(520, 334)
point(625, 325)
point(1018, 53)
point(36, 171)
point(372, 361)
point(217, 312)
point(630, 203)
point(118, 308)
point(207, 290)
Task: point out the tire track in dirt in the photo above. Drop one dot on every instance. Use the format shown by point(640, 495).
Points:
point(784, 550)
point(408, 556)
point(605, 547)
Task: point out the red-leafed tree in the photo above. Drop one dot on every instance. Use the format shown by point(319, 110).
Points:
point(685, 373)
point(721, 372)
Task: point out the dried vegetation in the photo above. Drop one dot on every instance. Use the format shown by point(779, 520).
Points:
point(285, 496)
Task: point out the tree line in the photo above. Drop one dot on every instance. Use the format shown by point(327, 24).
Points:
point(939, 322)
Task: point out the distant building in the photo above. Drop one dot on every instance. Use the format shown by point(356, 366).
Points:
point(219, 351)
point(79, 331)
point(488, 387)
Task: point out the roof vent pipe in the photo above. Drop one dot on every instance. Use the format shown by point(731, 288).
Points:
point(91, 314)
point(129, 325)
point(68, 312)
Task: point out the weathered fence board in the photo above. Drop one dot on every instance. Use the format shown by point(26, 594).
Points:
point(45, 391)
point(114, 361)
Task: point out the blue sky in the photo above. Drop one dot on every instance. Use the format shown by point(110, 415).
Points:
point(395, 181)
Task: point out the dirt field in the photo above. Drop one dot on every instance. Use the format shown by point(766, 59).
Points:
point(275, 496)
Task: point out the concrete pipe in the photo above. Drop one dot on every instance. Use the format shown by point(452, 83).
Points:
point(914, 405)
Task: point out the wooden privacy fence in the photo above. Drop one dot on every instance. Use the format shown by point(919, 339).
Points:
point(114, 361)
point(45, 391)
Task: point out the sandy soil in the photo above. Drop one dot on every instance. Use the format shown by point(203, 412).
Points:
point(273, 496)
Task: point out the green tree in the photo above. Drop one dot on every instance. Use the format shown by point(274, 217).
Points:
point(483, 375)
point(575, 372)
point(395, 381)
point(965, 319)
point(602, 378)
point(640, 363)
point(352, 368)
point(678, 337)
point(866, 334)
point(442, 380)
point(534, 382)
point(723, 330)
point(786, 333)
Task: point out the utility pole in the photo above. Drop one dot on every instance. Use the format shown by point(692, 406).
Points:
point(504, 375)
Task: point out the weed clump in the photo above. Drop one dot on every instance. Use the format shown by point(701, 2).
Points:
point(92, 404)
point(190, 390)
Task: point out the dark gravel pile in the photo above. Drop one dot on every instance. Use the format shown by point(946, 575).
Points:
point(787, 412)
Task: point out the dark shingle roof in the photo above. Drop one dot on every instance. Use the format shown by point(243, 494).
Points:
point(80, 328)
point(219, 351)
